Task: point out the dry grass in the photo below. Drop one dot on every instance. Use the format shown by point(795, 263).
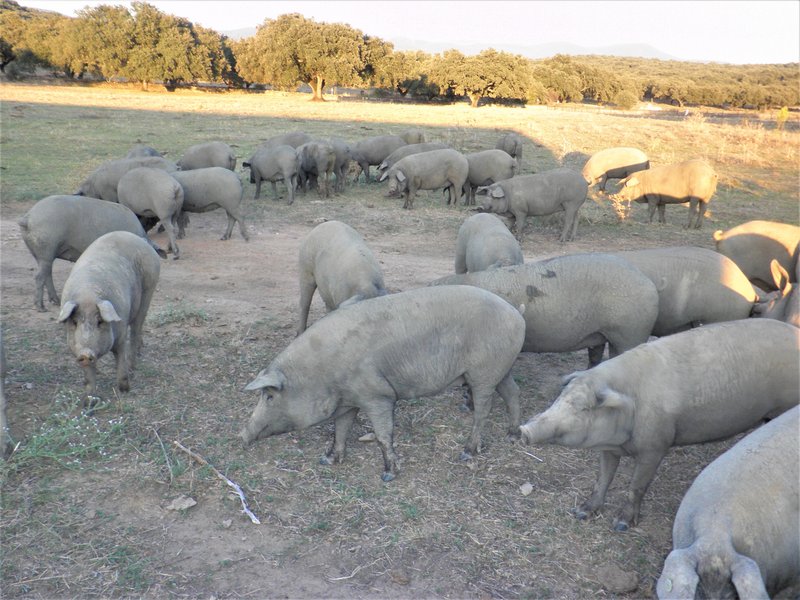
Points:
point(84, 504)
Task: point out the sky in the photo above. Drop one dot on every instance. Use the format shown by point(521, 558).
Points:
point(737, 32)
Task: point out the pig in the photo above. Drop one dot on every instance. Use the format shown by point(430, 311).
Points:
point(371, 354)
point(575, 301)
point(784, 304)
point(373, 151)
point(335, 260)
point(511, 144)
point(102, 182)
point(209, 189)
point(488, 167)
point(317, 160)
point(140, 150)
point(404, 151)
point(697, 386)
point(63, 227)
point(736, 531)
point(692, 181)
point(484, 242)
point(342, 164)
point(153, 193)
point(695, 286)
point(106, 295)
point(541, 194)
point(613, 163)
point(273, 163)
point(293, 139)
point(413, 136)
point(428, 171)
point(208, 154)
point(754, 244)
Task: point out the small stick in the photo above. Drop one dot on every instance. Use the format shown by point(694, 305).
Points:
point(532, 455)
point(236, 488)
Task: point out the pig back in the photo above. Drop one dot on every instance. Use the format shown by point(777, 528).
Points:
point(728, 498)
point(115, 267)
point(708, 383)
point(414, 342)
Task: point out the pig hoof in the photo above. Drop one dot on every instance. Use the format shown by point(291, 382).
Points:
point(620, 526)
point(465, 456)
point(580, 514)
point(327, 459)
point(464, 407)
point(387, 476)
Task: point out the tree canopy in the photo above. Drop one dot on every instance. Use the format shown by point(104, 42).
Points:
point(145, 45)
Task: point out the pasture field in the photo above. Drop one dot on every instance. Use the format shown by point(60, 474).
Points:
point(87, 501)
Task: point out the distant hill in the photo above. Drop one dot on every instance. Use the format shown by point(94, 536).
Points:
point(530, 51)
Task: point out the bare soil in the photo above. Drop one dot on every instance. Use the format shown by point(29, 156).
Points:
point(99, 525)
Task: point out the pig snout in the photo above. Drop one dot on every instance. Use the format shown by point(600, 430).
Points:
point(86, 357)
point(536, 431)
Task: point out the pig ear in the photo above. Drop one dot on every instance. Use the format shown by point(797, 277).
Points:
point(609, 398)
point(746, 578)
point(498, 192)
point(267, 379)
point(679, 577)
point(66, 310)
point(401, 176)
point(780, 276)
point(107, 312)
point(383, 176)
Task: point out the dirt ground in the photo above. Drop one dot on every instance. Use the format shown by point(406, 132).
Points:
point(102, 523)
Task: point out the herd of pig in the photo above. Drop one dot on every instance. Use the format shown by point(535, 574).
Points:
point(714, 372)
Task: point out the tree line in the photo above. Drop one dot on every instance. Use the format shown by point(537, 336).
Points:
point(146, 45)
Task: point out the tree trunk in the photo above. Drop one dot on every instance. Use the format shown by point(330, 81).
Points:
point(317, 84)
point(474, 99)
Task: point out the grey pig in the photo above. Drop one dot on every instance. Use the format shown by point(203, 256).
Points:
point(692, 181)
point(103, 181)
point(428, 171)
point(541, 194)
point(208, 154)
point(511, 144)
point(371, 354)
point(697, 386)
point(574, 302)
point(696, 286)
point(373, 151)
point(293, 139)
point(754, 244)
point(613, 163)
point(317, 161)
point(736, 531)
point(141, 150)
point(413, 136)
point(335, 260)
point(107, 293)
point(484, 242)
point(64, 226)
point(153, 193)
point(209, 189)
point(404, 151)
point(273, 163)
point(488, 167)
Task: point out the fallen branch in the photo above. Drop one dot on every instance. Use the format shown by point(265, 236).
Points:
point(236, 488)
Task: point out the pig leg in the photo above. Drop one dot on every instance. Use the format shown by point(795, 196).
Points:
point(89, 383)
point(652, 204)
point(520, 220)
point(701, 212)
point(509, 392)
point(570, 223)
point(481, 399)
point(342, 424)
point(307, 287)
point(45, 278)
point(120, 350)
point(662, 213)
point(643, 472)
point(596, 354)
point(170, 229)
point(381, 415)
point(608, 468)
